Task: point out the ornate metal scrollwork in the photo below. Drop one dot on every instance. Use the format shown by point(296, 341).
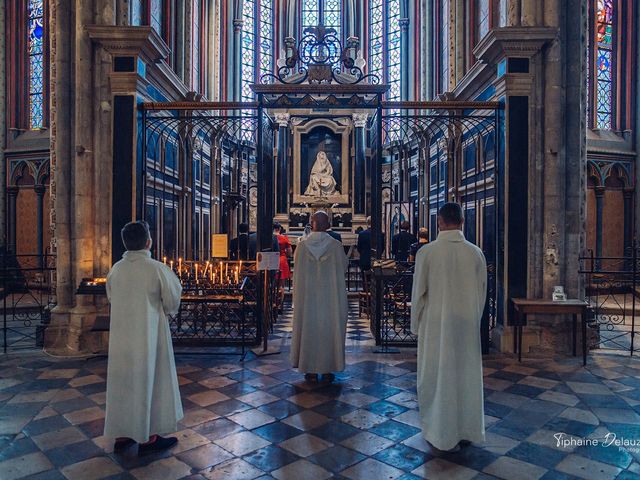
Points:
point(320, 58)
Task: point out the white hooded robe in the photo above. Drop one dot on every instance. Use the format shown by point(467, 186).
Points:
point(143, 397)
point(448, 298)
point(320, 305)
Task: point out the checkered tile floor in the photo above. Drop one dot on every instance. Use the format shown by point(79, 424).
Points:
point(259, 419)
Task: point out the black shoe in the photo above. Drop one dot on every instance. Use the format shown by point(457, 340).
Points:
point(329, 377)
point(160, 444)
point(123, 444)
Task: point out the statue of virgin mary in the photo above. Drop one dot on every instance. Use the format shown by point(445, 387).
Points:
point(321, 181)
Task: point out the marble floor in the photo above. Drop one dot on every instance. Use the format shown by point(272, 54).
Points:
point(259, 419)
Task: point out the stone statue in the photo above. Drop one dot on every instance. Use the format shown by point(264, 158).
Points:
point(321, 181)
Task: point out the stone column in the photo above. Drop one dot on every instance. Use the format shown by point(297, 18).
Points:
point(40, 191)
point(61, 101)
point(282, 167)
point(628, 219)
point(457, 41)
point(12, 192)
point(359, 178)
point(529, 12)
point(513, 13)
point(599, 192)
point(122, 12)
point(82, 166)
point(426, 39)
point(237, 59)
point(3, 130)
point(404, 49)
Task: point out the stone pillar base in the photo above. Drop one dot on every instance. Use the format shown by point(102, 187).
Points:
point(69, 332)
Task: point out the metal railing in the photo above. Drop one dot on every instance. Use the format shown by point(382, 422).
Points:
point(27, 286)
point(612, 288)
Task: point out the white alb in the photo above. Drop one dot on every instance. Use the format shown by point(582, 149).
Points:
point(448, 298)
point(143, 397)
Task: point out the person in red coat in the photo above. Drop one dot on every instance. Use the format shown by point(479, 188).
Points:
point(284, 246)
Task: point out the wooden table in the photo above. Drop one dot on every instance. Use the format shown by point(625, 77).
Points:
point(526, 306)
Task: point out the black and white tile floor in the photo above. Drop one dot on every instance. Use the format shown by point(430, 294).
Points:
point(259, 419)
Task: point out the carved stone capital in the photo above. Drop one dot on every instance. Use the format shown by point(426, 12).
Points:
point(360, 119)
point(282, 119)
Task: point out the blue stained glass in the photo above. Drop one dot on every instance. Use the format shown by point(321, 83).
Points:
point(384, 50)
point(482, 19)
point(36, 8)
point(310, 13)
point(325, 12)
point(156, 16)
point(136, 12)
point(605, 15)
point(256, 51)
point(35, 43)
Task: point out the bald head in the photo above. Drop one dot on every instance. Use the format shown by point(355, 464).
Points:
point(320, 222)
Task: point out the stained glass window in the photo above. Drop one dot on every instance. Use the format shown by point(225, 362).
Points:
point(444, 45)
point(248, 49)
point(156, 15)
point(604, 64)
point(195, 45)
point(385, 59)
point(257, 44)
point(482, 19)
point(322, 12)
point(137, 12)
point(36, 63)
point(256, 48)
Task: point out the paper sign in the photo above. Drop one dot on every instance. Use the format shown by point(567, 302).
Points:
point(219, 245)
point(268, 260)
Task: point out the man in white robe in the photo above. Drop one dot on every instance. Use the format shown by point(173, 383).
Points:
point(143, 398)
point(320, 306)
point(447, 301)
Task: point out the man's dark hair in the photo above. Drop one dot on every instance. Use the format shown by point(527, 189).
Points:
point(277, 226)
point(451, 213)
point(405, 225)
point(423, 233)
point(135, 235)
point(243, 228)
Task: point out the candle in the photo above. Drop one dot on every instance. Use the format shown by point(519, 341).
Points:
point(226, 270)
point(196, 273)
point(180, 266)
point(171, 265)
point(240, 268)
point(236, 274)
point(221, 272)
point(211, 276)
point(164, 260)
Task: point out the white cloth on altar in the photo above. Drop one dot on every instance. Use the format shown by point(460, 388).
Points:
point(448, 298)
point(143, 397)
point(320, 305)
